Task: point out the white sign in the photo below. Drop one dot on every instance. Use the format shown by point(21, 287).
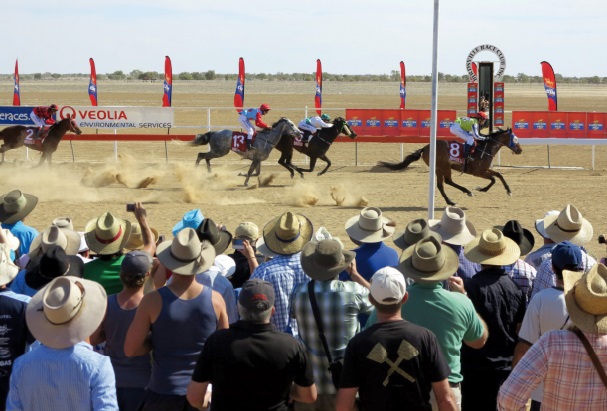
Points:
point(486, 47)
point(119, 117)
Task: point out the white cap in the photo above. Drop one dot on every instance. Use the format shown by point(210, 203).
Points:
point(539, 224)
point(225, 264)
point(388, 286)
point(83, 245)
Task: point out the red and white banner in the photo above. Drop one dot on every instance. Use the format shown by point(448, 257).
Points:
point(498, 104)
point(119, 117)
point(472, 103)
point(403, 86)
point(318, 95)
point(16, 90)
point(549, 85)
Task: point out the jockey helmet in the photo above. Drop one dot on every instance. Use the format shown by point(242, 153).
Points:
point(264, 107)
point(480, 115)
point(325, 117)
point(53, 107)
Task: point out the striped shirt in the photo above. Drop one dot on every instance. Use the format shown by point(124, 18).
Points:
point(546, 278)
point(571, 383)
point(71, 379)
point(339, 303)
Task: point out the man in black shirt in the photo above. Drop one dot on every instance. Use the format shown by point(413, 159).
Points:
point(251, 365)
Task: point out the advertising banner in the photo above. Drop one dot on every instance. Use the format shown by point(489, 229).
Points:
point(15, 116)
point(472, 103)
point(557, 124)
point(549, 85)
point(16, 92)
point(539, 124)
point(399, 123)
point(119, 117)
point(167, 95)
point(239, 92)
point(498, 104)
point(576, 125)
point(596, 125)
point(403, 86)
point(93, 83)
point(318, 95)
point(521, 123)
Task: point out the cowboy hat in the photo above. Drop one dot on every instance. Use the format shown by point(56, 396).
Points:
point(135, 241)
point(521, 236)
point(16, 206)
point(323, 234)
point(8, 270)
point(415, 231)
point(65, 238)
point(66, 311)
point(207, 230)
point(453, 227)
point(63, 222)
point(539, 223)
point(186, 254)
point(107, 234)
point(12, 241)
point(568, 225)
point(52, 263)
point(586, 298)
point(191, 219)
point(492, 248)
point(428, 261)
point(287, 234)
point(263, 249)
point(324, 260)
point(370, 226)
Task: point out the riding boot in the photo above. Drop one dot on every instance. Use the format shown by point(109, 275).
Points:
point(306, 138)
point(467, 148)
point(249, 145)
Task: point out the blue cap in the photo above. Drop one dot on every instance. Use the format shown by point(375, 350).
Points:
point(192, 219)
point(567, 254)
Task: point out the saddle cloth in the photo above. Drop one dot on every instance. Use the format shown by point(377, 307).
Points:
point(239, 141)
point(456, 152)
point(297, 141)
point(32, 134)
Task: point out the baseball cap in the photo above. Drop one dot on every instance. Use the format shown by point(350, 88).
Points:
point(388, 286)
point(256, 295)
point(567, 254)
point(247, 230)
point(136, 263)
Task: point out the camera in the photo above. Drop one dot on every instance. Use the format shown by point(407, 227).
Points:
point(130, 207)
point(237, 244)
point(602, 239)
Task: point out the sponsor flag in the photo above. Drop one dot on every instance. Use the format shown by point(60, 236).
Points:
point(168, 82)
point(93, 84)
point(475, 71)
point(403, 86)
point(549, 85)
point(239, 93)
point(16, 91)
point(318, 96)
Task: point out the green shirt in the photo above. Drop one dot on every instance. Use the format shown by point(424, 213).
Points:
point(449, 315)
point(106, 273)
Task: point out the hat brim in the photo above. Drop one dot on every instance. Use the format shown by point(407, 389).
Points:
point(8, 273)
point(35, 280)
point(263, 249)
point(528, 241)
point(73, 242)
point(223, 243)
point(400, 242)
point(511, 253)
point(539, 227)
point(163, 252)
point(11, 218)
point(461, 238)
point(84, 323)
point(358, 234)
point(136, 242)
point(106, 249)
point(449, 268)
point(277, 246)
point(557, 235)
point(320, 273)
point(595, 324)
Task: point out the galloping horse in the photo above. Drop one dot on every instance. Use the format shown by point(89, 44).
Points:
point(221, 142)
point(479, 166)
point(317, 147)
point(14, 137)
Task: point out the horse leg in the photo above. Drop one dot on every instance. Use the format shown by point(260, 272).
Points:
point(42, 158)
point(206, 157)
point(326, 160)
point(309, 169)
point(254, 165)
point(439, 184)
point(490, 175)
point(450, 181)
point(283, 162)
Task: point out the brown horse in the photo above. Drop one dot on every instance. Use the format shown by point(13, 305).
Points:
point(14, 137)
point(478, 166)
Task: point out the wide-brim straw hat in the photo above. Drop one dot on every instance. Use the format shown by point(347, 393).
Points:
point(324, 260)
point(521, 236)
point(66, 311)
point(568, 225)
point(107, 234)
point(492, 247)
point(428, 261)
point(415, 231)
point(8, 270)
point(370, 226)
point(65, 238)
point(453, 227)
point(287, 234)
point(586, 298)
point(135, 241)
point(15, 206)
point(186, 254)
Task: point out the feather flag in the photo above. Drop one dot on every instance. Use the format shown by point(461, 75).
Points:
point(475, 71)
point(93, 84)
point(549, 85)
point(16, 91)
point(168, 82)
point(403, 86)
point(318, 96)
point(239, 93)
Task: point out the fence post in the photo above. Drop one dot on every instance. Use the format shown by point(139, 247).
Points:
point(72, 148)
point(115, 148)
point(209, 118)
point(593, 157)
point(548, 147)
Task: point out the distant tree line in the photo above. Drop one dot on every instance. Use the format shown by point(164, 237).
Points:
point(211, 75)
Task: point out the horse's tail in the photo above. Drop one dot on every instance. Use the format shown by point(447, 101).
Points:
point(403, 164)
point(201, 139)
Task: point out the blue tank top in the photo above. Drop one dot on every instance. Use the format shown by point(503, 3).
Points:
point(131, 372)
point(178, 336)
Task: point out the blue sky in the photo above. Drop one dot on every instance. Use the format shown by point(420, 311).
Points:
point(350, 37)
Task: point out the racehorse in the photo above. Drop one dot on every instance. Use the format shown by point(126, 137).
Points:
point(478, 166)
point(14, 137)
point(220, 143)
point(317, 147)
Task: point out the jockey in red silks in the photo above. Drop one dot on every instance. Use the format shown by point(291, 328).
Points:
point(249, 114)
point(43, 116)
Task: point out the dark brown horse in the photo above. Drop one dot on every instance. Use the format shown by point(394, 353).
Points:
point(479, 166)
point(14, 137)
point(317, 147)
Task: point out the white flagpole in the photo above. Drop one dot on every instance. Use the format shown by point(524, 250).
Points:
point(432, 180)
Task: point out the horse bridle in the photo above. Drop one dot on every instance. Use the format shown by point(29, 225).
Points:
point(344, 124)
point(511, 141)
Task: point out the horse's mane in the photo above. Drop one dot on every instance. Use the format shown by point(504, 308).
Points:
point(280, 120)
point(500, 131)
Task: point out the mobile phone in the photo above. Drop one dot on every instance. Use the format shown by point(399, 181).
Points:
point(160, 239)
point(237, 244)
point(130, 207)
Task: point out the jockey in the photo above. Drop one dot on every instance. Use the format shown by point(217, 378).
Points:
point(249, 114)
point(42, 116)
point(467, 128)
point(311, 124)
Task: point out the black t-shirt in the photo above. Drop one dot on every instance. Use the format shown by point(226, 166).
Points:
point(394, 364)
point(252, 367)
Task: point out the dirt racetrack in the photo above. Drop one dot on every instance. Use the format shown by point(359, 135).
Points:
point(95, 183)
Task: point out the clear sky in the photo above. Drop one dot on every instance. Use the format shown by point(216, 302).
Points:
point(349, 36)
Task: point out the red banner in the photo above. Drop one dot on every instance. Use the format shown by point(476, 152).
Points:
point(472, 104)
point(239, 93)
point(168, 83)
point(93, 84)
point(549, 85)
point(474, 70)
point(498, 104)
point(403, 86)
point(318, 96)
point(16, 90)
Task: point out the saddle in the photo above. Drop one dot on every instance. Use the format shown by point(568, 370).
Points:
point(298, 140)
point(35, 137)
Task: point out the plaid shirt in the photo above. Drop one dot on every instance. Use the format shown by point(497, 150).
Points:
point(466, 269)
point(546, 278)
point(284, 272)
point(560, 360)
point(523, 275)
point(339, 303)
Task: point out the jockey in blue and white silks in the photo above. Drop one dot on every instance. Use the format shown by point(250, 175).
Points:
point(249, 114)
